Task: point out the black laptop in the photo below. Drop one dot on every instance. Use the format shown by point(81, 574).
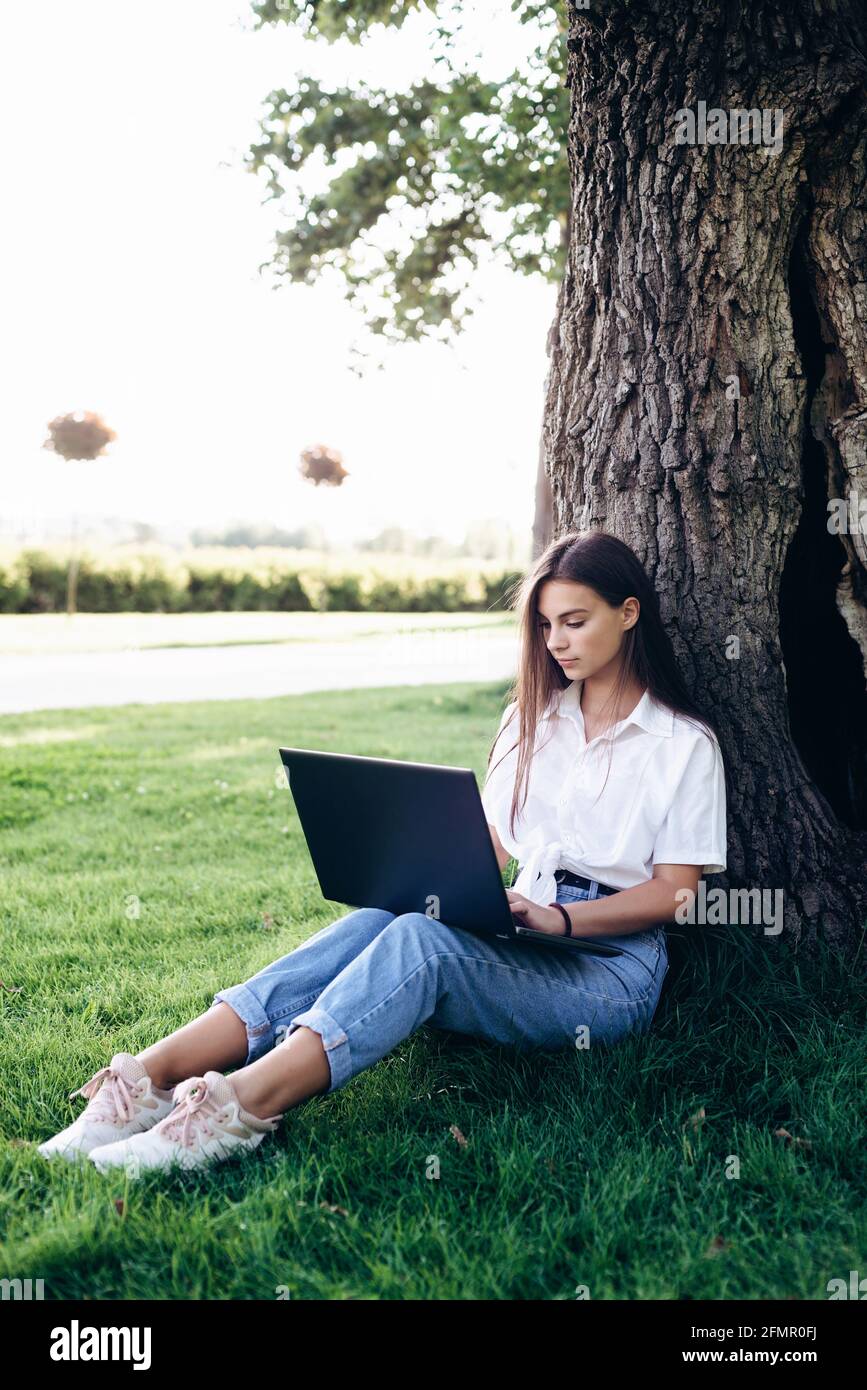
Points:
point(408, 837)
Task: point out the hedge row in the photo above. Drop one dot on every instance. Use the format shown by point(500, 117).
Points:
point(34, 581)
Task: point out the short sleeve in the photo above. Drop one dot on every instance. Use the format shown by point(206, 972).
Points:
point(499, 784)
point(694, 830)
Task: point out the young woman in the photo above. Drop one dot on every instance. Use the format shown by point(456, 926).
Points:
point(611, 797)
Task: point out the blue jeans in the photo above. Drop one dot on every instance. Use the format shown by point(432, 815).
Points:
point(368, 980)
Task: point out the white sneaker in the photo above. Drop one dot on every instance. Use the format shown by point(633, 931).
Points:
point(207, 1125)
point(123, 1101)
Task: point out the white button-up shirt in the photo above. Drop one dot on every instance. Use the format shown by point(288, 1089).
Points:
point(664, 802)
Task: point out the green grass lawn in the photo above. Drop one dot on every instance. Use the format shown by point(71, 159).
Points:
point(604, 1168)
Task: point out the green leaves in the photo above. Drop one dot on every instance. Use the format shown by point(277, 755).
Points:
point(336, 19)
point(426, 180)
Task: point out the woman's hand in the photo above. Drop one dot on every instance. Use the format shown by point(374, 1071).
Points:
point(545, 919)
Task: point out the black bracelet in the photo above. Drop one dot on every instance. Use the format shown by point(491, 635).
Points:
point(566, 918)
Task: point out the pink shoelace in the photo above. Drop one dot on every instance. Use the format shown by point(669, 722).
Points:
point(195, 1112)
point(116, 1098)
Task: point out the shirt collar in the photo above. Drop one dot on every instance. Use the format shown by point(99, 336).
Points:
point(648, 714)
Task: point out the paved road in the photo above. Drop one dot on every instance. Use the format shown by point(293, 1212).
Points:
point(75, 680)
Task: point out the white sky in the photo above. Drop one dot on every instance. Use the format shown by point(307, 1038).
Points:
point(129, 285)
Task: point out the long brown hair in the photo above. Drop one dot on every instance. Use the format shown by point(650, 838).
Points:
point(612, 570)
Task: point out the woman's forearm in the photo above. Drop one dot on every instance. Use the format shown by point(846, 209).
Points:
point(630, 910)
point(503, 855)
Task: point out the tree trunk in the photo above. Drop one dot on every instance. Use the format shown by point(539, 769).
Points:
point(707, 396)
point(543, 518)
point(72, 572)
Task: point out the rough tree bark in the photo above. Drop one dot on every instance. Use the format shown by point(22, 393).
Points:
point(707, 395)
point(543, 511)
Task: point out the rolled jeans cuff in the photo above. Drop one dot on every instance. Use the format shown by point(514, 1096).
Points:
point(334, 1041)
point(260, 1032)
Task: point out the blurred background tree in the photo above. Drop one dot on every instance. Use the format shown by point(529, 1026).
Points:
point(250, 534)
point(425, 179)
point(80, 435)
point(320, 464)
